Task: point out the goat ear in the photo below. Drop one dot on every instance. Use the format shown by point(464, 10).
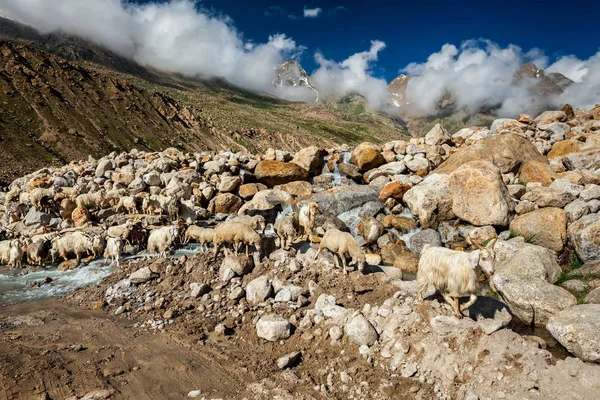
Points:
point(474, 258)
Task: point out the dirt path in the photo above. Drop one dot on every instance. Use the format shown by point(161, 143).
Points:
point(40, 357)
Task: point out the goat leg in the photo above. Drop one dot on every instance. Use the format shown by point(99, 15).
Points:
point(469, 303)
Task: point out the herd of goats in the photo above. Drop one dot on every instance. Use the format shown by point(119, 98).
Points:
point(453, 273)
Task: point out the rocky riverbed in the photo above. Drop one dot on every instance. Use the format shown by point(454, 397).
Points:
point(287, 324)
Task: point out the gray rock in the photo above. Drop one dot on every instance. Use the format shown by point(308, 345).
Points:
point(588, 159)
point(417, 164)
point(289, 293)
point(289, 360)
point(370, 209)
point(577, 329)
point(119, 290)
point(430, 200)
point(142, 275)
point(104, 166)
point(325, 305)
point(420, 239)
point(136, 186)
point(229, 183)
point(593, 297)
point(437, 136)
point(239, 264)
point(237, 293)
point(591, 192)
point(344, 198)
point(547, 196)
point(516, 191)
point(152, 179)
point(272, 327)
point(258, 290)
point(360, 330)
point(565, 185)
point(526, 260)
point(34, 216)
point(199, 289)
point(585, 237)
point(576, 209)
point(531, 299)
point(336, 333)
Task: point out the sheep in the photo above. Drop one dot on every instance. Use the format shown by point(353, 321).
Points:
point(161, 239)
point(202, 235)
point(15, 254)
point(127, 203)
point(5, 251)
point(156, 203)
point(343, 244)
point(285, 228)
point(454, 273)
point(306, 220)
point(121, 231)
point(114, 247)
point(91, 201)
point(236, 233)
point(37, 252)
point(39, 197)
point(256, 222)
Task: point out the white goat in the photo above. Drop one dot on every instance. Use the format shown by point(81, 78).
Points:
point(38, 195)
point(161, 239)
point(91, 201)
point(343, 244)
point(15, 255)
point(128, 204)
point(454, 273)
point(121, 231)
point(4, 251)
point(306, 220)
point(114, 247)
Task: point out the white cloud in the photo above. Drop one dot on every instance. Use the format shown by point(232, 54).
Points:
point(174, 36)
point(354, 74)
point(312, 12)
point(481, 74)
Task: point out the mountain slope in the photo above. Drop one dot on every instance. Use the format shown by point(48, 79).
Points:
point(63, 98)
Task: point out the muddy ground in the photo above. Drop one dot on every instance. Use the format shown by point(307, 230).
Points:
point(58, 348)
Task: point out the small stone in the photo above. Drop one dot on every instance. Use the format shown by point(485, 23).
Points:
point(289, 360)
point(336, 333)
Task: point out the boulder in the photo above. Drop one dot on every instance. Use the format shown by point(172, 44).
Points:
point(531, 299)
point(340, 199)
point(593, 297)
point(502, 126)
point(547, 196)
point(360, 331)
point(577, 329)
point(370, 229)
point(80, 216)
point(226, 203)
point(248, 190)
point(536, 171)
point(142, 275)
point(104, 166)
point(239, 264)
point(393, 190)
point(479, 195)
point(367, 156)
point(273, 328)
point(272, 173)
point(526, 260)
point(426, 236)
point(590, 192)
point(507, 152)
point(548, 117)
point(430, 200)
point(576, 209)
point(584, 234)
point(326, 306)
point(587, 159)
point(35, 216)
point(299, 189)
point(402, 224)
point(545, 227)
point(258, 290)
point(311, 159)
point(229, 183)
point(407, 262)
point(437, 136)
point(350, 171)
point(564, 147)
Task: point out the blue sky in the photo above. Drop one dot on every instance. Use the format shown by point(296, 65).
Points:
point(414, 30)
